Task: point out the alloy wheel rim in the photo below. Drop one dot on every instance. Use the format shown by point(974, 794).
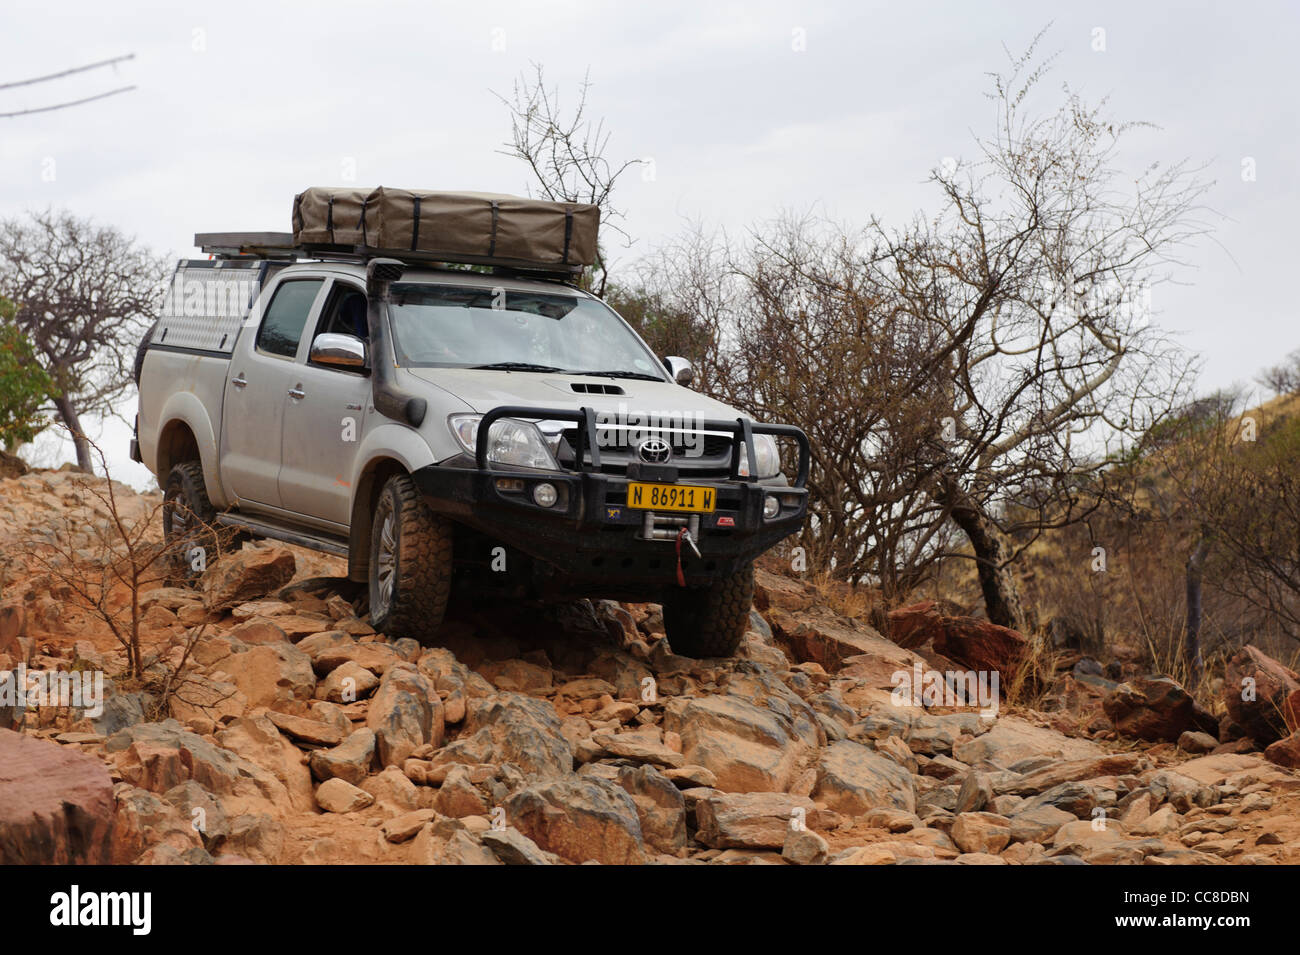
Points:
point(386, 562)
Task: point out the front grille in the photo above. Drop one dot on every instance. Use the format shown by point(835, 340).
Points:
point(688, 448)
point(703, 456)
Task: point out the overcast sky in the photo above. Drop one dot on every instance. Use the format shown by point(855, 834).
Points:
point(744, 109)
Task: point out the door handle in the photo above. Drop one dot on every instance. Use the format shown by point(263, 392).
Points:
point(240, 381)
point(297, 392)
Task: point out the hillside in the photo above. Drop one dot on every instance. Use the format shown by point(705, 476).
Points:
point(273, 725)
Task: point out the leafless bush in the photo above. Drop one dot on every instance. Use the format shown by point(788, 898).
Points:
point(108, 563)
point(567, 153)
point(1283, 378)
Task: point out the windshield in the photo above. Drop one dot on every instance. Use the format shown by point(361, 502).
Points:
point(454, 326)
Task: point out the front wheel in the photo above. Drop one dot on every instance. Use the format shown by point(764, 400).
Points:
point(710, 621)
point(410, 563)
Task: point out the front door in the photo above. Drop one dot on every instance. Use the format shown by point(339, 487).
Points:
point(325, 418)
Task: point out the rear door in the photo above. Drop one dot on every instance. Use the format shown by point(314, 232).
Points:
point(325, 418)
point(262, 371)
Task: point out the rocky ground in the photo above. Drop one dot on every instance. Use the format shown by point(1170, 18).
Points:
point(292, 733)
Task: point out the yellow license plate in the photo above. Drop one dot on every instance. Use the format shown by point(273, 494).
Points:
point(672, 497)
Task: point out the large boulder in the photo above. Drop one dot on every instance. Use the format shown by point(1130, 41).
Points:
point(972, 643)
point(258, 740)
point(405, 714)
point(660, 806)
point(748, 747)
point(1012, 739)
point(1073, 770)
point(349, 761)
point(120, 710)
point(1285, 752)
point(581, 819)
point(57, 806)
point(203, 813)
point(981, 832)
point(1151, 708)
point(755, 820)
point(829, 640)
point(269, 673)
point(246, 575)
point(347, 683)
point(982, 646)
point(202, 696)
point(143, 820)
point(777, 592)
point(511, 728)
point(375, 657)
point(852, 779)
point(337, 795)
point(1256, 689)
point(161, 756)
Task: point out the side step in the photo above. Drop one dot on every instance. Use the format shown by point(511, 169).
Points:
point(258, 527)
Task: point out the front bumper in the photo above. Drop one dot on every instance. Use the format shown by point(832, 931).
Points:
point(591, 534)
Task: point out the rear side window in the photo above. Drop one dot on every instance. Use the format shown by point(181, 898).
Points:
point(286, 317)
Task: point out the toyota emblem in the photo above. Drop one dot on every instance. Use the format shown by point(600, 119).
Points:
point(654, 451)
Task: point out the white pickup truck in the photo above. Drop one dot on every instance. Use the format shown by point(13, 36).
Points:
point(439, 426)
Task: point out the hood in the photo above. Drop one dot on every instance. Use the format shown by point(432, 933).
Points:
point(484, 390)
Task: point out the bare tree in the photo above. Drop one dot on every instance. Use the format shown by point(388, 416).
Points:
point(566, 153)
point(788, 325)
point(1238, 477)
point(85, 294)
point(1283, 378)
point(973, 373)
point(1034, 280)
point(679, 298)
point(817, 341)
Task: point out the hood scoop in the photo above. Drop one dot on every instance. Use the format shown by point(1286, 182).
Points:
point(595, 388)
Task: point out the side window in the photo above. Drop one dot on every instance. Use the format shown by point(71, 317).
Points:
point(344, 312)
point(286, 317)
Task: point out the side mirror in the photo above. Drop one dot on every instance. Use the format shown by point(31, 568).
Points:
point(680, 369)
point(338, 351)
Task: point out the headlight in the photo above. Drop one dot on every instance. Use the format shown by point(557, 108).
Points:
point(511, 441)
point(767, 456)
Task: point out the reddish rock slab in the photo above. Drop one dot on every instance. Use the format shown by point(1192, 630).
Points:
point(246, 575)
point(980, 645)
point(775, 592)
point(1267, 686)
point(972, 643)
point(1150, 708)
point(56, 805)
point(1285, 752)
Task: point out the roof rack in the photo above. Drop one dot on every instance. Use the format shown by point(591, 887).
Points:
point(280, 246)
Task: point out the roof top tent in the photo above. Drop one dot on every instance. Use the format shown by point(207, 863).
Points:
point(510, 234)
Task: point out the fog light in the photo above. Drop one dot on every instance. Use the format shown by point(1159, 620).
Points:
point(771, 507)
point(545, 495)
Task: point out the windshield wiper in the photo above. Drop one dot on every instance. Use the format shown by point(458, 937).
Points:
point(618, 374)
point(515, 366)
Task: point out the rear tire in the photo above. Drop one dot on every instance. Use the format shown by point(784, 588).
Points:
point(710, 621)
point(189, 521)
point(410, 563)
